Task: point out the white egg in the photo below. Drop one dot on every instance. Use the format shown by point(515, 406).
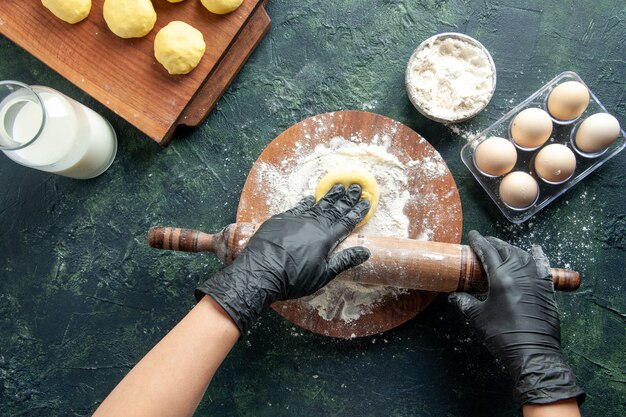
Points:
point(495, 156)
point(555, 163)
point(597, 132)
point(518, 190)
point(568, 100)
point(531, 128)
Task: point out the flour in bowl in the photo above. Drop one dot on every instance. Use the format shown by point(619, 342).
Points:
point(451, 77)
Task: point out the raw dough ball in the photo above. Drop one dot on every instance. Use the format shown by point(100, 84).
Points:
point(221, 6)
point(70, 11)
point(347, 177)
point(179, 47)
point(129, 18)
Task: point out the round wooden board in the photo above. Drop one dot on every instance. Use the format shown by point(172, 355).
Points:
point(434, 208)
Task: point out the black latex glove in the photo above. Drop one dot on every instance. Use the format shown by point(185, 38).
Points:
point(289, 256)
point(519, 321)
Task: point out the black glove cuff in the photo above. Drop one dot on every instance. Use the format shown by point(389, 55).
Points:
point(546, 378)
point(242, 302)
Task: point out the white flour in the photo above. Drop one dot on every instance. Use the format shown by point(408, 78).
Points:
point(341, 299)
point(451, 79)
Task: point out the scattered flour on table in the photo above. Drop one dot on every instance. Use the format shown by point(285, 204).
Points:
point(342, 299)
point(572, 242)
point(467, 135)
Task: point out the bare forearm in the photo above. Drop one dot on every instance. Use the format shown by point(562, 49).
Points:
point(172, 378)
point(567, 408)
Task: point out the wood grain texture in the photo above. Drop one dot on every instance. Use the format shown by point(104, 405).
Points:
point(212, 90)
point(434, 208)
point(123, 74)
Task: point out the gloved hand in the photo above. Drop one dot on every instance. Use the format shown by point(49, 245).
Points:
point(519, 321)
point(289, 256)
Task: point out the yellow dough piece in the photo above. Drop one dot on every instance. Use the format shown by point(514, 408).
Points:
point(347, 177)
point(179, 47)
point(129, 18)
point(174, 1)
point(70, 11)
point(221, 6)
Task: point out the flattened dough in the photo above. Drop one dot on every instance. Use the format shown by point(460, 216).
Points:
point(70, 11)
point(347, 177)
point(179, 47)
point(129, 18)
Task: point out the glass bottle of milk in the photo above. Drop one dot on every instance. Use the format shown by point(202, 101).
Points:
point(43, 129)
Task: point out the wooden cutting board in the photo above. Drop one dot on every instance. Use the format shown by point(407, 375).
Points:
point(124, 75)
point(433, 209)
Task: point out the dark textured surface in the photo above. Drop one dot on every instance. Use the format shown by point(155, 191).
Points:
point(82, 297)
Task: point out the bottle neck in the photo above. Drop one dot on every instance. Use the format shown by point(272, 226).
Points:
point(22, 115)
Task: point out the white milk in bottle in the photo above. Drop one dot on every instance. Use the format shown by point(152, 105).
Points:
point(43, 129)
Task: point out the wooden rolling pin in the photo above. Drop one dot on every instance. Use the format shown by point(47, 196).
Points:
point(404, 263)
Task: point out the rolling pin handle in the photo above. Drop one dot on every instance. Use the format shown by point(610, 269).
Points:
point(187, 240)
point(474, 279)
point(565, 279)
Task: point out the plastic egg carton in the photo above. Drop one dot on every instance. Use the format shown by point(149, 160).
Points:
point(562, 133)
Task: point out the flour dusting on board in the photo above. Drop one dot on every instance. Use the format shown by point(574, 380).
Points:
point(294, 179)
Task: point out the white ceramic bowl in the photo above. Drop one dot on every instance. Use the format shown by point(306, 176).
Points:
point(411, 93)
